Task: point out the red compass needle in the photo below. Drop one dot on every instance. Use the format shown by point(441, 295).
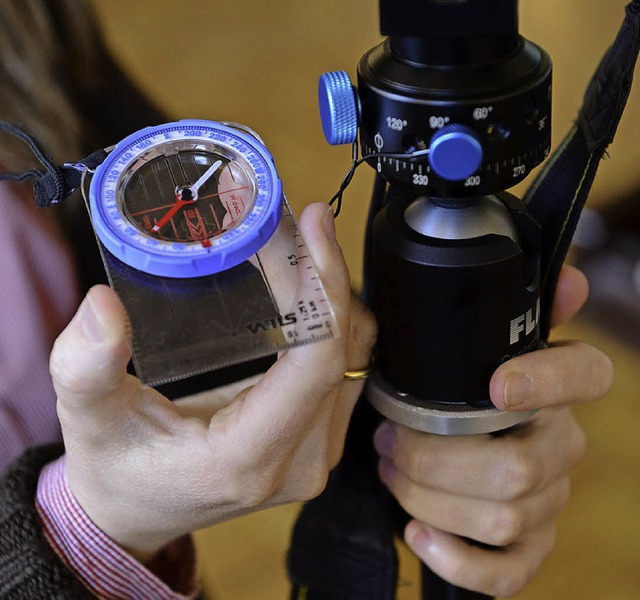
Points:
point(171, 212)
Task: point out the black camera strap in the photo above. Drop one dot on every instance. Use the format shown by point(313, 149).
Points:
point(342, 545)
point(557, 196)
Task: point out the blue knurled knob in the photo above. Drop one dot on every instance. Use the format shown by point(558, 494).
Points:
point(455, 152)
point(338, 109)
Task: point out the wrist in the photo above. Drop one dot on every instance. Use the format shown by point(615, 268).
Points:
point(100, 562)
point(118, 521)
point(113, 503)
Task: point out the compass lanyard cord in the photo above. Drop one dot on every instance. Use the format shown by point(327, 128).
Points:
point(342, 542)
point(54, 183)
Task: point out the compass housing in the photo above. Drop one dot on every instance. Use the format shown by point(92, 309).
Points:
point(143, 216)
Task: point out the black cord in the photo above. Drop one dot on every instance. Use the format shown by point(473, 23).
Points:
point(54, 183)
point(356, 162)
point(34, 146)
point(39, 153)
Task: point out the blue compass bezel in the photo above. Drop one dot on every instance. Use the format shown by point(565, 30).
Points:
point(182, 260)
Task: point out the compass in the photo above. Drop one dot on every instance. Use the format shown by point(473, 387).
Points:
point(186, 199)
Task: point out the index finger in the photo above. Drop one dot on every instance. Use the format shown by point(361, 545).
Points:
point(292, 391)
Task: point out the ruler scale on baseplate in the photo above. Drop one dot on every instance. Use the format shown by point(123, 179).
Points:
point(201, 245)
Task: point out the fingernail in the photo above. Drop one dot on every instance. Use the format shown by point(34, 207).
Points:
point(92, 325)
point(418, 538)
point(384, 440)
point(329, 225)
point(517, 389)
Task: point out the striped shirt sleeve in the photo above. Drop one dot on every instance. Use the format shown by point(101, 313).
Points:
point(97, 561)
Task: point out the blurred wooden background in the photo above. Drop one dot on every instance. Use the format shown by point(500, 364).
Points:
point(257, 63)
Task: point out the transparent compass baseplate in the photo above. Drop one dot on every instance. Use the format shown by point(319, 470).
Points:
point(273, 301)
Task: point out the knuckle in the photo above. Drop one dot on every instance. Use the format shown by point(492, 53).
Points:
point(75, 371)
point(252, 483)
point(515, 579)
point(68, 381)
point(255, 492)
point(502, 583)
point(511, 583)
point(303, 489)
point(313, 487)
point(506, 525)
point(522, 474)
point(363, 329)
point(333, 369)
point(335, 377)
point(456, 570)
point(413, 463)
point(64, 377)
point(416, 456)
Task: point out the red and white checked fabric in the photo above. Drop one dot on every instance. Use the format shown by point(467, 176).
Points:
point(98, 562)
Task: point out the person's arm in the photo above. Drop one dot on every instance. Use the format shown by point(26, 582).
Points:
point(146, 471)
point(37, 298)
point(29, 567)
point(502, 490)
point(97, 561)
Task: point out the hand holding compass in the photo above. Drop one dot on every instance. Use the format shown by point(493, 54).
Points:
point(161, 469)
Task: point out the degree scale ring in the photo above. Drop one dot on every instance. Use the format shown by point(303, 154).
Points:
point(151, 249)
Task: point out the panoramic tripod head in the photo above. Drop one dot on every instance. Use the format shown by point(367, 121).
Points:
point(451, 109)
point(455, 82)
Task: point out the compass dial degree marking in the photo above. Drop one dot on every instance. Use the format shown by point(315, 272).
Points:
point(251, 198)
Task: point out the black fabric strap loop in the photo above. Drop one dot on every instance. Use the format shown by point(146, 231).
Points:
point(558, 195)
point(54, 183)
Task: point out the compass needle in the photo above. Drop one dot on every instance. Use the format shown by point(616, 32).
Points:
point(205, 177)
point(170, 213)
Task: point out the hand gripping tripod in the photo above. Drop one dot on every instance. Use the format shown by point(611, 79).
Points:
point(452, 109)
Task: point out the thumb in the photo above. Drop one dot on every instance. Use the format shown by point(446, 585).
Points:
point(571, 294)
point(89, 358)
